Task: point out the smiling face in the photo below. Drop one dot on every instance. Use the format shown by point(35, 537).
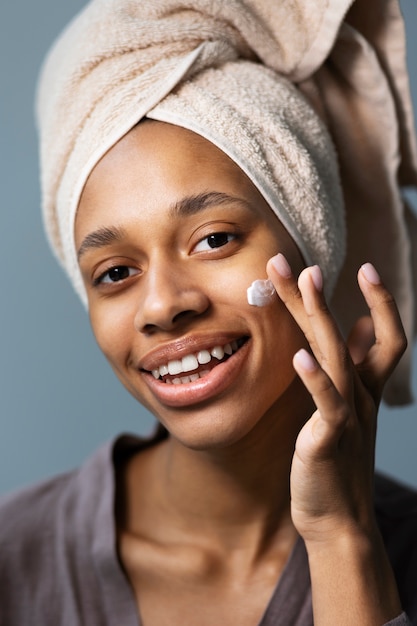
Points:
point(170, 234)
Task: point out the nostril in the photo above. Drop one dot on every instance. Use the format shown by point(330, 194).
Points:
point(183, 315)
point(148, 329)
point(177, 320)
point(165, 305)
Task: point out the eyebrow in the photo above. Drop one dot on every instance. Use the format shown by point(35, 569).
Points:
point(100, 238)
point(190, 205)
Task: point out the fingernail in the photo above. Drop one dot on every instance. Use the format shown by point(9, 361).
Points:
point(371, 274)
point(317, 277)
point(281, 265)
point(305, 360)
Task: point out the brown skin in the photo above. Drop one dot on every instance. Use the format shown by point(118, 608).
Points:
point(206, 523)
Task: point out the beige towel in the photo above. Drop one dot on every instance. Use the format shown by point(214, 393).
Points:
point(119, 60)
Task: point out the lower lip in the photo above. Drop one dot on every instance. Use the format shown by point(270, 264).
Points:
point(187, 394)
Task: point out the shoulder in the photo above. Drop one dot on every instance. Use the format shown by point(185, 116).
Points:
point(46, 537)
point(30, 508)
point(58, 560)
point(35, 512)
point(396, 511)
point(28, 530)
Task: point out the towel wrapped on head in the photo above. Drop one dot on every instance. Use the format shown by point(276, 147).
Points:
point(275, 86)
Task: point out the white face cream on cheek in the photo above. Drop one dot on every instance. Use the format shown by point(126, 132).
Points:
point(261, 292)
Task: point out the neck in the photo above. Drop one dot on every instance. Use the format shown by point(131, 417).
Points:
point(235, 496)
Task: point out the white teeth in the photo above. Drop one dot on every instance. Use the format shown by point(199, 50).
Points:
point(174, 367)
point(189, 379)
point(204, 357)
point(189, 363)
point(218, 352)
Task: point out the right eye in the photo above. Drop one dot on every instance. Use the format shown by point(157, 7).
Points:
point(213, 241)
point(115, 274)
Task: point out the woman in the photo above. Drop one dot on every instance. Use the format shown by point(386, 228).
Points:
point(254, 503)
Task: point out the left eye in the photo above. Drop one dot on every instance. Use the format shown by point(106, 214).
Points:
point(116, 274)
point(215, 240)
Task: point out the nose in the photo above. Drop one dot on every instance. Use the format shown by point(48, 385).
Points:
point(169, 298)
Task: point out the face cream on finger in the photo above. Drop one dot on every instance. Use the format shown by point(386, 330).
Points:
point(261, 292)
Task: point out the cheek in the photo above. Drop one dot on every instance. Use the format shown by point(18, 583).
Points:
point(230, 283)
point(111, 328)
point(282, 338)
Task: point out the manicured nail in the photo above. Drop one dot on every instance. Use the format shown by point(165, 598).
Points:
point(317, 277)
point(371, 274)
point(305, 360)
point(281, 265)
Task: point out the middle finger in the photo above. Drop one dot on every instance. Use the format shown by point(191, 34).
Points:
point(306, 303)
point(333, 354)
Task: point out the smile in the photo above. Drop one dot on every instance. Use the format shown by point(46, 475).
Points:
point(197, 365)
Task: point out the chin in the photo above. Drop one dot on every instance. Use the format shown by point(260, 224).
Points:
point(208, 433)
point(222, 429)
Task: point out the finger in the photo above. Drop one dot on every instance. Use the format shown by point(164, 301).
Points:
point(333, 412)
point(390, 339)
point(331, 350)
point(361, 339)
point(305, 301)
point(286, 285)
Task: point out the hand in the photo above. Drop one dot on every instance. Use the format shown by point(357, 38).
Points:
point(333, 464)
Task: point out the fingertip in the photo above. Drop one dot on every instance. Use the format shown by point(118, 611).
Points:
point(312, 273)
point(281, 265)
point(361, 339)
point(316, 277)
point(303, 360)
point(370, 274)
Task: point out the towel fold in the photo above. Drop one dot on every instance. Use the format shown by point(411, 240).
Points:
point(266, 82)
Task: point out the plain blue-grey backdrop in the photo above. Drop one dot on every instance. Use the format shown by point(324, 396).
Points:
point(59, 399)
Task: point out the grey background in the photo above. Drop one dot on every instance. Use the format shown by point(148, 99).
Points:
point(58, 397)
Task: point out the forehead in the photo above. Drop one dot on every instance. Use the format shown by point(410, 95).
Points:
point(153, 149)
point(154, 167)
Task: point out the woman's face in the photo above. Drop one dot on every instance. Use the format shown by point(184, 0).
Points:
point(170, 234)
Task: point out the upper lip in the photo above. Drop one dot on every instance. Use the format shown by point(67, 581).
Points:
point(186, 345)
